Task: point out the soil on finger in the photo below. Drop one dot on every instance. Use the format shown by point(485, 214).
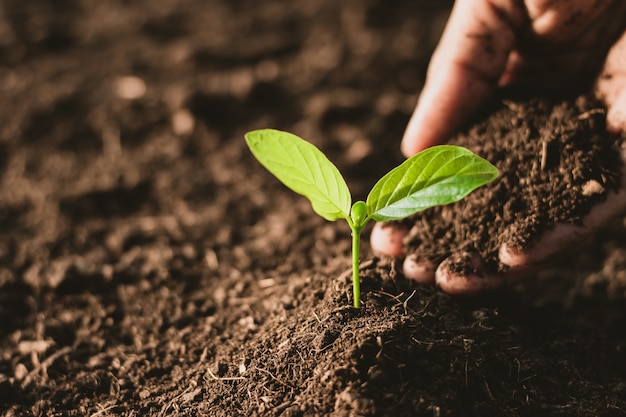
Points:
point(556, 162)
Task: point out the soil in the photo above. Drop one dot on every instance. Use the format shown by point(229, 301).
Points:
point(549, 153)
point(150, 266)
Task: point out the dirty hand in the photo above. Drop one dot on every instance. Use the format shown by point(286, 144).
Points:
point(490, 46)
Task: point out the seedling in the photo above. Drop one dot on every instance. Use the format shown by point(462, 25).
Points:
point(434, 177)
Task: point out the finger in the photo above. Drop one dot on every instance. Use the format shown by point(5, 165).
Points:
point(556, 22)
point(611, 86)
point(565, 236)
point(616, 115)
point(388, 239)
point(464, 70)
point(551, 244)
point(564, 46)
point(419, 269)
point(464, 273)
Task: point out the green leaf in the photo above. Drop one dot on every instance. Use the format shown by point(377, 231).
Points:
point(436, 176)
point(303, 168)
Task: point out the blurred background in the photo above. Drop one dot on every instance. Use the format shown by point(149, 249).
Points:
point(121, 110)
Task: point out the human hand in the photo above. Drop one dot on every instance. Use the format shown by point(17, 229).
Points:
point(492, 46)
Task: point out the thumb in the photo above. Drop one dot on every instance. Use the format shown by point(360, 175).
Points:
point(464, 71)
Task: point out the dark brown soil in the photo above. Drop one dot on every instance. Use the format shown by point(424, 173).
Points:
point(556, 159)
point(149, 266)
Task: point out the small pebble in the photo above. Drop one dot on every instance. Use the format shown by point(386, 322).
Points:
point(183, 122)
point(33, 346)
point(129, 87)
point(20, 371)
point(592, 187)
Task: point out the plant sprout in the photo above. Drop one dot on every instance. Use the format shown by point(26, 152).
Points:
point(434, 177)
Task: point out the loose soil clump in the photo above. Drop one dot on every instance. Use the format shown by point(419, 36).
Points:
point(557, 161)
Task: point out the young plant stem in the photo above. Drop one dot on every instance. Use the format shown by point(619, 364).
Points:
point(438, 175)
point(356, 282)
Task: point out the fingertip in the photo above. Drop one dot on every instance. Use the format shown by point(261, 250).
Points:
point(424, 129)
point(464, 274)
point(410, 144)
point(512, 255)
point(419, 269)
point(388, 239)
point(616, 115)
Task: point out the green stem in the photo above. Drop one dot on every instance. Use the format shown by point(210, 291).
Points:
point(356, 282)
